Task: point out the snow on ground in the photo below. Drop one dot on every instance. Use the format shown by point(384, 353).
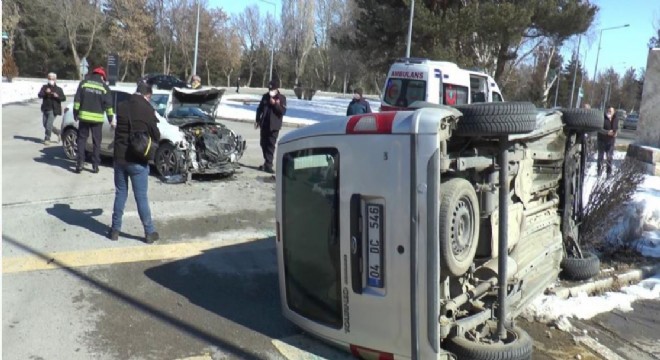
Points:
point(322, 107)
point(545, 308)
point(553, 309)
point(21, 90)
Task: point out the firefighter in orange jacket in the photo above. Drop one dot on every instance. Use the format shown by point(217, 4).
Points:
point(92, 103)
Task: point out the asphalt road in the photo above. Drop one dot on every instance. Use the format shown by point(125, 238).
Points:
point(207, 290)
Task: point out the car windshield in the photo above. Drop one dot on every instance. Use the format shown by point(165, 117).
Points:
point(188, 114)
point(159, 102)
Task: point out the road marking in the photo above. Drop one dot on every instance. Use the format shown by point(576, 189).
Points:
point(301, 347)
point(108, 256)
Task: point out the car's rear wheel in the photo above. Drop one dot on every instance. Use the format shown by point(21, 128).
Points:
point(69, 138)
point(484, 344)
point(167, 160)
point(494, 119)
point(459, 226)
point(583, 119)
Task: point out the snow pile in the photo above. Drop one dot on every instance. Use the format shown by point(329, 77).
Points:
point(551, 308)
point(320, 108)
point(21, 90)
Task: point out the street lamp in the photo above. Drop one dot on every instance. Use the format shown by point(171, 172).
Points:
point(600, 37)
point(194, 69)
point(410, 23)
point(272, 45)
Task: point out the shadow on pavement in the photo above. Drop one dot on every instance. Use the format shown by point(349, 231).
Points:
point(54, 156)
point(237, 282)
point(182, 325)
point(81, 218)
point(29, 138)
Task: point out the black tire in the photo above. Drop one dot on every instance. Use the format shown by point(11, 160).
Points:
point(167, 160)
point(583, 119)
point(493, 119)
point(580, 268)
point(459, 226)
point(519, 346)
point(69, 138)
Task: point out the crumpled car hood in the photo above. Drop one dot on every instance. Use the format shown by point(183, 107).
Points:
point(207, 99)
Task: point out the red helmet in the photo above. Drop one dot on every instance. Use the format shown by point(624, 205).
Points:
point(101, 71)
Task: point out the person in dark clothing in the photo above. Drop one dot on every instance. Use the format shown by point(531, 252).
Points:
point(358, 105)
point(138, 111)
point(92, 103)
point(606, 139)
point(270, 112)
point(238, 83)
point(51, 106)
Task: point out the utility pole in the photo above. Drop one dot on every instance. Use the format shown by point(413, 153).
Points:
point(577, 63)
point(600, 38)
point(194, 69)
point(410, 25)
point(272, 45)
point(557, 84)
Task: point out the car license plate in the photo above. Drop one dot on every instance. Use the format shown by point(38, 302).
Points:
point(375, 245)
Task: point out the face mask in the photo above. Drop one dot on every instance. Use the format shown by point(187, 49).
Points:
point(51, 82)
point(272, 93)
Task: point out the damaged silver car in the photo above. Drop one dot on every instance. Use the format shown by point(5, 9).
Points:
point(201, 145)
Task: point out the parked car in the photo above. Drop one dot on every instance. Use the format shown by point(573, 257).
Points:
point(399, 236)
point(162, 81)
point(631, 122)
point(192, 142)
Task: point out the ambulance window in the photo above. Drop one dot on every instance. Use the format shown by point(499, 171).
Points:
point(393, 90)
point(416, 91)
point(478, 88)
point(403, 92)
point(310, 229)
point(497, 97)
point(455, 94)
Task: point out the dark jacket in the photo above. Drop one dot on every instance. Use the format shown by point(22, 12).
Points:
point(270, 116)
point(608, 125)
point(93, 99)
point(143, 119)
point(50, 102)
point(358, 106)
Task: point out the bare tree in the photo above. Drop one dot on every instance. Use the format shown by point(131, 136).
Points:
point(130, 28)
point(82, 20)
point(163, 13)
point(248, 24)
point(298, 32)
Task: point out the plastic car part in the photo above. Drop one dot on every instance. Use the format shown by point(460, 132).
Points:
point(495, 119)
point(483, 344)
point(574, 268)
point(459, 225)
point(584, 119)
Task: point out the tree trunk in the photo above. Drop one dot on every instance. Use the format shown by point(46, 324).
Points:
point(208, 73)
point(144, 65)
point(123, 77)
point(345, 82)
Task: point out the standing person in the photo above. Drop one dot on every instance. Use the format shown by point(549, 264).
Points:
point(134, 114)
point(92, 103)
point(238, 83)
point(51, 105)
point(196, 82)
point(606, 139)
point(270, 112)
point(358, 105)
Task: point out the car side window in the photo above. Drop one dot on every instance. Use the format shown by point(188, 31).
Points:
point(497, 97)
point(455, 94)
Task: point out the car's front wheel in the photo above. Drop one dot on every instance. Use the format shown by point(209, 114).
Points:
point(167, 160)
point(69, 138)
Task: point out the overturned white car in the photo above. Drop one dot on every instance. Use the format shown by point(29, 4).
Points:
point(192, 142)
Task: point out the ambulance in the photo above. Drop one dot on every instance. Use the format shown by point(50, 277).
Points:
point(437, 82)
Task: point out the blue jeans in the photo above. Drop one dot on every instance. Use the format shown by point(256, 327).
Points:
point(139, 175)
point(48, 119)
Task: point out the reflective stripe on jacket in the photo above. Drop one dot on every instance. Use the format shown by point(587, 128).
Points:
point(93, 100)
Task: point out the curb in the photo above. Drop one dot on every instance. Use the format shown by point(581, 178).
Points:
point(629, 277)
